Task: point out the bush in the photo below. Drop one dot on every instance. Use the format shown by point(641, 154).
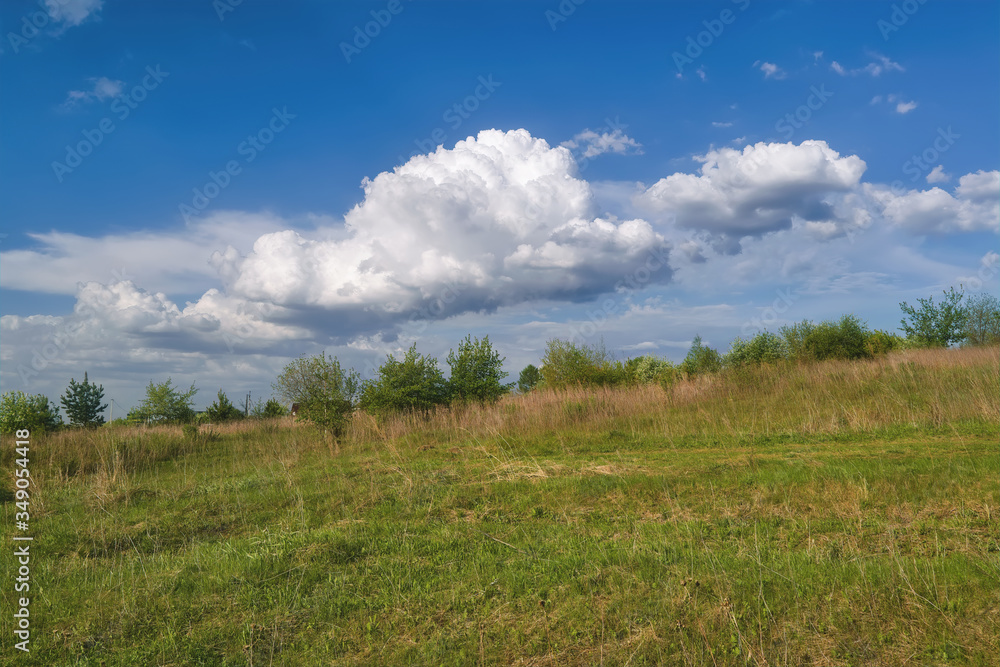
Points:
point(414, 384)
point(794, 337)
point(164, 404)
point(325, 392)
point(565, 364)
point(935, 325)
point(476, 372)
point(764, 348)
point(222, 410)
point(649, 369)
point(35, 413)
point(844, 339)
point(701, 359)
point(880, 342)
point(982, 320)
point(529, 379)
point(268, 410)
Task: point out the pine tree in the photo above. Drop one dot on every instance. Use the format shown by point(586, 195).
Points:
point(82, 402)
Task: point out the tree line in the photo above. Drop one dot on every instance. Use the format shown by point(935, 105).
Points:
point(328, 393)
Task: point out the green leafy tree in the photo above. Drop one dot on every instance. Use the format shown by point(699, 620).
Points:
point(165, 404)
point(649, 368)
point(222, 410)
point(268, 410)
point(325, 391)
point(763, 348)
point(528, 379)
point(843, 339)
point(982, 320)
point(82, 402)
point(935, 325)
point(35, 413)
point(414, 383)
point(794, 338)
point(566, 363)
point(701, 359)
point(476, 372)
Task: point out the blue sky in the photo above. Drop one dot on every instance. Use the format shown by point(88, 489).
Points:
point(774, 161)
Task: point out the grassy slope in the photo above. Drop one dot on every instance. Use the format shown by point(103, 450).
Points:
point(831, 515)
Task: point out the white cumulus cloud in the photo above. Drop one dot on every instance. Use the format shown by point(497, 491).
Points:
point(756, 190)
point(591, 144)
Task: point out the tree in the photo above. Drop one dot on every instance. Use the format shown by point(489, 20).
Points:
point(223, 410)
point(701, 359)
point(566, 363)
point(763, 348)
point(35, 413)
point(325, 392)
point(844, 339)
point(165, 404)
point(982, 320)
point(476, 372)
point(82, 403)
point(933, 325)
point(268, 410)
point(529, 379)
point(413, 384)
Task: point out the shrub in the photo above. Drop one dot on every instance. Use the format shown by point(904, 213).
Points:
point(649, 369)
point(222, 410)
point(935, 325)
point(325, 392)
point(794, 337)
point(763, 348)
point(413, 384)
point(35, 413)
point(880, 342)
point(844, 339)
point(164, 404)
point(982, 320)
point(476, 372)
point(701, 359)
point(268, 410)
point(529, 379)
point(566, 364)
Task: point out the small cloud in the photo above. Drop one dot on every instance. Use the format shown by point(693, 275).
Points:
point(701, 73)
point(738, 140)
point(937, 175)
point(883, 65)
point(72, 12)
point(877, 99)
point(718, 124)
point(771, 71)
point(591, 144)
point(879, 66)
point(103, 89)
point(906, 107)
point(816, 56)
point(248, 43)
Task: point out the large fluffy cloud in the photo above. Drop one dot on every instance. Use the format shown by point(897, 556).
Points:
point(974, 206)
point(498, 220)
point(757, 190)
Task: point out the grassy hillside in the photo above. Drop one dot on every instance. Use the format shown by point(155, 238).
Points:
point(831, 514)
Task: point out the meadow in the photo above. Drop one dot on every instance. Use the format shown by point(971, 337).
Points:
point(831, 513)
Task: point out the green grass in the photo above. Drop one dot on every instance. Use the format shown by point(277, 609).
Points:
point(614, 539)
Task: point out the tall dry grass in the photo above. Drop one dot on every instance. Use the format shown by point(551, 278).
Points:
point(930, 388)
point(922, 388)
